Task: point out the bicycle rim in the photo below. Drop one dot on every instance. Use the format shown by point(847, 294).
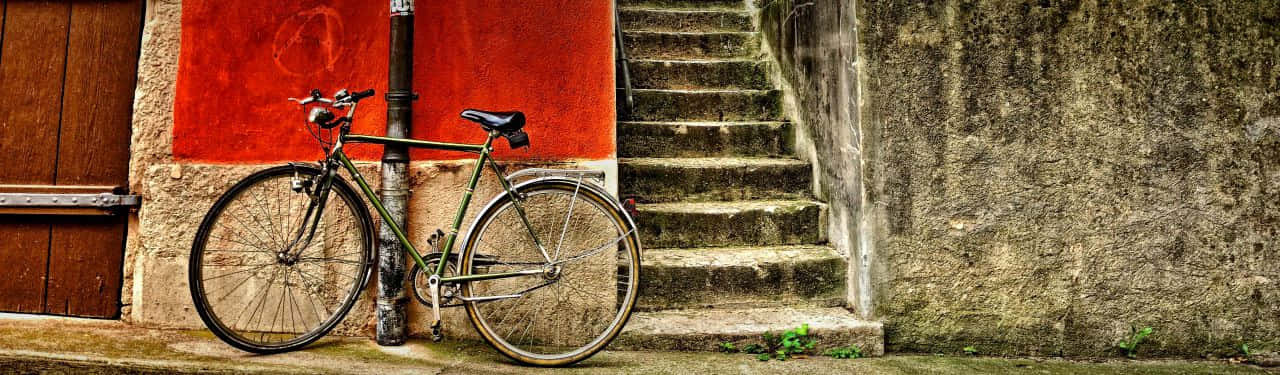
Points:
point(255, 300)
point(565, 315)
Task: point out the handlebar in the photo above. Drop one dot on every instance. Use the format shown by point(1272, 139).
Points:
point(340, 99)
point(326, 119)
point(361, 95)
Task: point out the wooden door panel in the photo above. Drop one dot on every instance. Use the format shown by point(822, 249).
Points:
point(85, 254)
point(68, 70)
point(24, 256)
point(85, 257)
point(31, 72)
point(101, 74)
point(31, 76)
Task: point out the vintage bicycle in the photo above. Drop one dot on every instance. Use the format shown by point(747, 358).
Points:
point(548, 272)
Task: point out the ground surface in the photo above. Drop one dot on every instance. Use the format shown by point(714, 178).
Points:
point(58, 345)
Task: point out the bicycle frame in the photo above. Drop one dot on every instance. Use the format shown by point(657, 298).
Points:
point(483, 150)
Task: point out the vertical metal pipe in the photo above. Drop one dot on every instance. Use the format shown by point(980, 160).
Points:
point(623, 63)
point(395, 190)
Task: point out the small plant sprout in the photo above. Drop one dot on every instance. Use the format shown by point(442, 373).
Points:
point(789, 344)
point(794, 342)
point(848, 352)
point(1136, 336)
point(1244, 350)
point(970, 350)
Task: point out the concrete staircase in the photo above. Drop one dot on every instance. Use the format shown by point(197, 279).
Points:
point(735, 242)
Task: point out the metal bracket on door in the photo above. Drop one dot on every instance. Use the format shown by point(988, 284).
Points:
point(66, 204)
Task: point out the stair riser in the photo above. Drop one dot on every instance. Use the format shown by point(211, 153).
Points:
point(663, 20)
point(814, 282)
point(647, 45)
point(690, 4)
point(699, 75)
point(669, 183)
point(705, 106)
point(675, 140)
point(869, 339)
point(795, 225)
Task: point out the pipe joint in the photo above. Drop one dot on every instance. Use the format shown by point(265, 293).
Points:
point(401, 95)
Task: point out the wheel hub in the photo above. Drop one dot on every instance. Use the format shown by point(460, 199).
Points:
point(551, 272)
point(286, 259)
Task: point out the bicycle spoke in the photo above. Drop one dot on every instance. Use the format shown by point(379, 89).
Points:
point(267, 300)
point(567, 216)
point(237, 272)
point(597, 249)
point(251, 301)
point(578, 303)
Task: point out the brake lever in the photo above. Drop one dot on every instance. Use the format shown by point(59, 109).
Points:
point(310, 100)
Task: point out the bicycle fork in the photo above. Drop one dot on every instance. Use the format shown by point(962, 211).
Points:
point(319, 195)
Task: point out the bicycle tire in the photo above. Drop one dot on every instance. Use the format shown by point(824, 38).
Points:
point(363, 223)
point(625, 301)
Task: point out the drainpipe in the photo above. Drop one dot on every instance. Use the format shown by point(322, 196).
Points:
point(395, 190)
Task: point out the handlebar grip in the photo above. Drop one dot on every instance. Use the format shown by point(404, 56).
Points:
point(361, 95)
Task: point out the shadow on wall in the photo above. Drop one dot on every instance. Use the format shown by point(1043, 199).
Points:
point(1053, 173)
point(813, 45)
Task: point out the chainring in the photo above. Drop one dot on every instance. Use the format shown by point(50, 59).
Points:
point(418, 282)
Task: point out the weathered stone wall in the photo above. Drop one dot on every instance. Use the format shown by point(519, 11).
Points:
point(812, 44)
point(1042, 175)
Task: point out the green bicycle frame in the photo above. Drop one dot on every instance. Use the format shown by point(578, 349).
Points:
point(483, 150)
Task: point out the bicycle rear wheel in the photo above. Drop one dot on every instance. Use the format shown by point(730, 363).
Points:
point(585, 294)
point(255, 295)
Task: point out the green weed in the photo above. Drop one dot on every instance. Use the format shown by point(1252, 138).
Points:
point(848, 352)
point(1136, 336)
point(781, 347)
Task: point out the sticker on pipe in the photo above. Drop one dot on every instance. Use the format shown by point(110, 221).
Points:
point(401, 7)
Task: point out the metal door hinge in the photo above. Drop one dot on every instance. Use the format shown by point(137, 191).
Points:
point(66, 203)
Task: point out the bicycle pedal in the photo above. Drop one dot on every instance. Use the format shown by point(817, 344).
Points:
point(436, 335)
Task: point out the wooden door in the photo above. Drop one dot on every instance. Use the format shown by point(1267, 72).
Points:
point(68, 69)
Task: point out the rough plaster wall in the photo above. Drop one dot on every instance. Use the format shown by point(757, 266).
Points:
point(812, 43)
point(152, 124)
point(176, 195)
point(1054, 172)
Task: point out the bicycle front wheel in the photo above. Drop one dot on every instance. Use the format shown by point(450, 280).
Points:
point(588, 253)
point(266, 276)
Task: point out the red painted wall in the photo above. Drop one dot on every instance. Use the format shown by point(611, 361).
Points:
point(240, 60)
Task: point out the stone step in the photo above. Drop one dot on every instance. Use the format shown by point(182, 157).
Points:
point(705, 105)
point(742, 277)
point(691, 45)
point(713, 179)
point(706, 329)
point(703, 139)
point(683, 4)
point(704, 74)
point(743, 223)
point(688, 20)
